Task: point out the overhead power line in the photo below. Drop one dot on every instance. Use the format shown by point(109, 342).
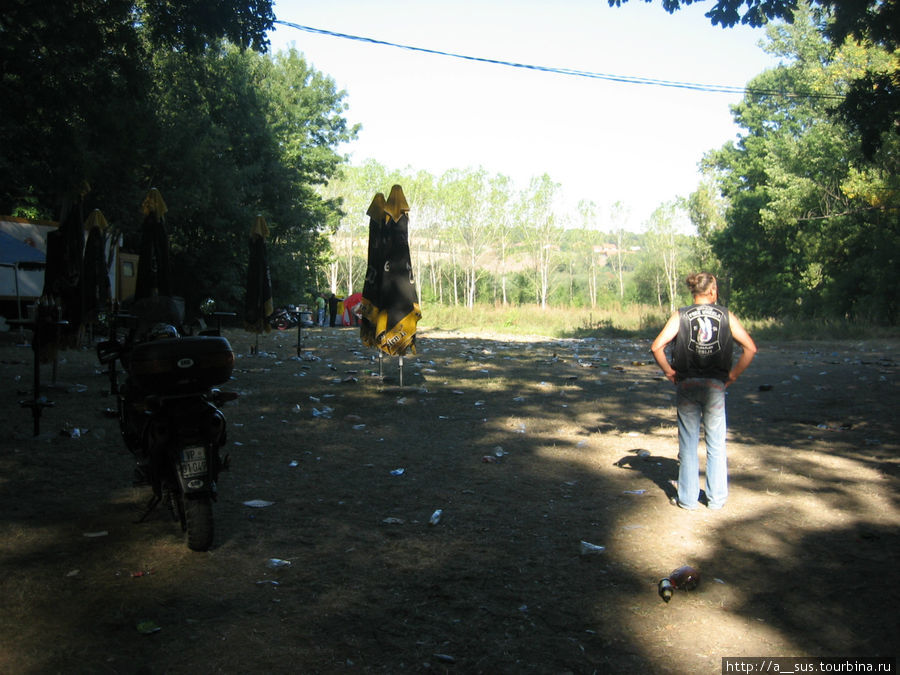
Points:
point(625, 79)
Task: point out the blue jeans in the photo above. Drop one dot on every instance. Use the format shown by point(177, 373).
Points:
point(701, 400)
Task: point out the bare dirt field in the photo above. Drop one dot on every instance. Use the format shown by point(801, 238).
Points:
point(528, 447)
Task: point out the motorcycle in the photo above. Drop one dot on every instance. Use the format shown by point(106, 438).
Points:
point(284, 318)
point(168, 408)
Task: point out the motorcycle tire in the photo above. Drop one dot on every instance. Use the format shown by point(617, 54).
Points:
point(198, 518)
point(283, 324)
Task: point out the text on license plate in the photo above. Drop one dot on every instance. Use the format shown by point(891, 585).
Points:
point(193, 461)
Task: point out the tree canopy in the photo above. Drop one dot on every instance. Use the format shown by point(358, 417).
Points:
point(102, 99)
point(811, 225)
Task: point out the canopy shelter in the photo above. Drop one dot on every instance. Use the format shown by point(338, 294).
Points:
point(13, 251)
point(22, 273)
point(351, 303)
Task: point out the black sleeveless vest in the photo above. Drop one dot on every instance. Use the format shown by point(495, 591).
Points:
point(704, 346)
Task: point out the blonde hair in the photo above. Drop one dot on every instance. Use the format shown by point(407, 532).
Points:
point(700, 282)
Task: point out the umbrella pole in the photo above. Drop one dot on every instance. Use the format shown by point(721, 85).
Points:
point(380, 364)
point(299, 337)
point(401, 370)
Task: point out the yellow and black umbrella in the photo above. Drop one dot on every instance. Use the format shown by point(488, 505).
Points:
point(154, 277)
point(398, 301)
point(95, 287)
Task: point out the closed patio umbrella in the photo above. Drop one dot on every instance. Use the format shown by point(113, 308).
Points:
point(398, 310)
point(370, 302)
point(154, 277)
point(258, 305)
point(95, 288)
point(61, 295)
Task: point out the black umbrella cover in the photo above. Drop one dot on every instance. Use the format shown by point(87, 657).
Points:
point(95, 290)
point(395, 328)
point(62, 276)
point(370, 303)
point(258, 305)
point(154, 275)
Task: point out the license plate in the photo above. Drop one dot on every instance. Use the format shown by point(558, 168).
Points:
point(193, 461)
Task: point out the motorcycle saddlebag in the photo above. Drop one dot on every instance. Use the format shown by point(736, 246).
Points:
point(181, 365)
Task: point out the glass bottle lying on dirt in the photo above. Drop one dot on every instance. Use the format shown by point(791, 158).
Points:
point(684, 578)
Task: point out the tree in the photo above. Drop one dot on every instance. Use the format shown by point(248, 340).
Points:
point(75, 81)
point(804, 201)
point(502, 225)
point(706, 210)
point(587, 211)
point(237, 134)
point(194, 25)
point(663, 247)
point(618, 217)
point(542, 231)
point(468, 195)
point(425, 223)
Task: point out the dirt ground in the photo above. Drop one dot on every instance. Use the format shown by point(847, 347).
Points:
point(529, 447)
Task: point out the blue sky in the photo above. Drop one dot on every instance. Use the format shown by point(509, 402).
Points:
point(602, 141)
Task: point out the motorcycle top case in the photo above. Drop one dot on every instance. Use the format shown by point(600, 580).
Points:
point(182, 364)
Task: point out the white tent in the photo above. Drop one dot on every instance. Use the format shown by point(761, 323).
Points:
point(21, 270)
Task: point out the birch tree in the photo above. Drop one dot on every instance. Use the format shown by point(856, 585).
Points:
point(618, 218)
point(661, 236)
point(467, 207)
point(542, 232)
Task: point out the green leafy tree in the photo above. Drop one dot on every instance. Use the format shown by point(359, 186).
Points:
point(618, 217)
point(587, 213)
point(467, 195)
point(804, 201)
point(663, 246)
point(75, 87)
point(240, 134)
point(706, 210)
point(542, 232)
point(502, 223)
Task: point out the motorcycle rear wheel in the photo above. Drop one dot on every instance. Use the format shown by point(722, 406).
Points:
point(198, 518)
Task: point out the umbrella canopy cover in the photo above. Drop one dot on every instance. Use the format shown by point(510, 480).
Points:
point(62, 281)
point(95, 288)
point(369, 304)
point(398, 310)
point(153, 275)
point(258, 305)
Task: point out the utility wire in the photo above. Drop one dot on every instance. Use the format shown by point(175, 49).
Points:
point(625, 79)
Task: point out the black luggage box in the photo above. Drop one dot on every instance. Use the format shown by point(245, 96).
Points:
point(181, 365)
